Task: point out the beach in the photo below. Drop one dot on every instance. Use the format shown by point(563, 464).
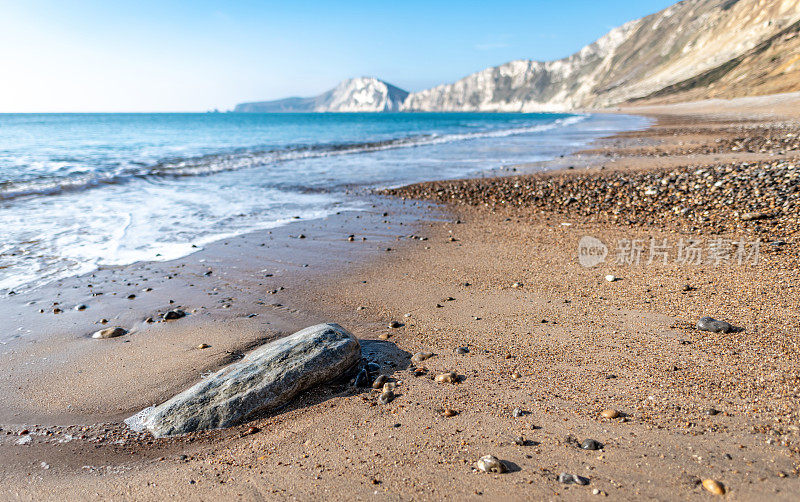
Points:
point(490, 265)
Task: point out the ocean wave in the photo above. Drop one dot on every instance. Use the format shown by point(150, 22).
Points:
point(215, 163)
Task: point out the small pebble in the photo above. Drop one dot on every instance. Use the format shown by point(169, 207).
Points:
point(386, 397)
point(713, 325)
point(568, 479)
point(174, 314)
point(203, 346)
point(714, 486)
point(712, 412)
point(462, 350)
point(490, 463)
point(110, 333)
point(421, 356)
point(362, 379)
point(378, 383)
point(80, 307)
point(395, 324)
point(449, 377)
point(591, 444)
point(611, 278)
point(449, 413)
point(609, 413)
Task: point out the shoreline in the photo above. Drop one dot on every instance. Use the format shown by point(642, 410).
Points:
point(577, 343)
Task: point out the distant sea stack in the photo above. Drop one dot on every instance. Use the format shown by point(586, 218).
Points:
point(364, 94)
point(695, 49)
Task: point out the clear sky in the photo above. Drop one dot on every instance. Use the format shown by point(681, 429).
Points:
point(165, 55)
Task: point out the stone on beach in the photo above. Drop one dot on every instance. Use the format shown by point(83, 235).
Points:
point(713, 325)
point(714, 486)
point(110, 332)
point(490, 463)
point(264, 381)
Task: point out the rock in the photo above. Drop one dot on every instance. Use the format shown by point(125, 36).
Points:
point(264, 381)
point(378, 383)
point(712, 412)
point(714, 486)
point(449, 413)
point(386, 397)
point(756, 215)
point(250, 431)
point(384, 336)
point(362, 379)
point(609, 413)
point(591, 444)
point(80, 307)
point(373, 370)
point(389, 386)
point(203, 346)
point(713, 325)
point(611, 278)
point(517, 413)
point(569, 479)
point(110, 332)
point(396, 324)
point(462, 350)
point(174, 314)
point(131, 296)
point(490, 463)
point(517, 285)
point(516, 375)
point(421, 356)
point(449, 377)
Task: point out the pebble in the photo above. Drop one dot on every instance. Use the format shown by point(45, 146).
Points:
point(251, 430)
point(362, 379)
point(569, 479)
point(395, 324)
point(389, 386)
point(110, 332)
point(384, 336)
point(378, 383)
point(386, 397)
point(421, 356)
point(713, 325)
point(174, 314)
point(591, 444)
point(517, 413)
point(714, 486)
point(609, 413)
point(517, 285)
point(462, 350)
point(611, 278)
point(490, 463)
point(449, 412)
point(80, 307)
point(712, 412)
point(516, 375)
point(449, 377)
point(131, 296)
point(203, 346)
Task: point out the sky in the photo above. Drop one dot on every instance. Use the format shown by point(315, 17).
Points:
point(198, 55)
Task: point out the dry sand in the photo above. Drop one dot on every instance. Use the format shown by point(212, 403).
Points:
point(560, 346)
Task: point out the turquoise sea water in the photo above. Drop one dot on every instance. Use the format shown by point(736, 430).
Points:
point(82, 190)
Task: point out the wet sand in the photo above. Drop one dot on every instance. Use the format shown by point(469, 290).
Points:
point(546, 336)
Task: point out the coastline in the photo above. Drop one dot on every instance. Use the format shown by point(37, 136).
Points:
point(565, 331)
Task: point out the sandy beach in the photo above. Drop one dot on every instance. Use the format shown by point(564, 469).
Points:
point(489, 265)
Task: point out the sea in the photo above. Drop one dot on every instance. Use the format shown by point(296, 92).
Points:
point(81, 191)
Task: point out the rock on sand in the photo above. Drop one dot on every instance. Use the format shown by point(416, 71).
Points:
point(263, 381)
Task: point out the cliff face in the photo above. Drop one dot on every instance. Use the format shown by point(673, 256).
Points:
point(633, 61)
point(354, 95)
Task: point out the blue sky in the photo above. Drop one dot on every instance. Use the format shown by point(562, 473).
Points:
point(198, 55)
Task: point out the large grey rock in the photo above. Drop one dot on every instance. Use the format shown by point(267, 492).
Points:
point(265, 380)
